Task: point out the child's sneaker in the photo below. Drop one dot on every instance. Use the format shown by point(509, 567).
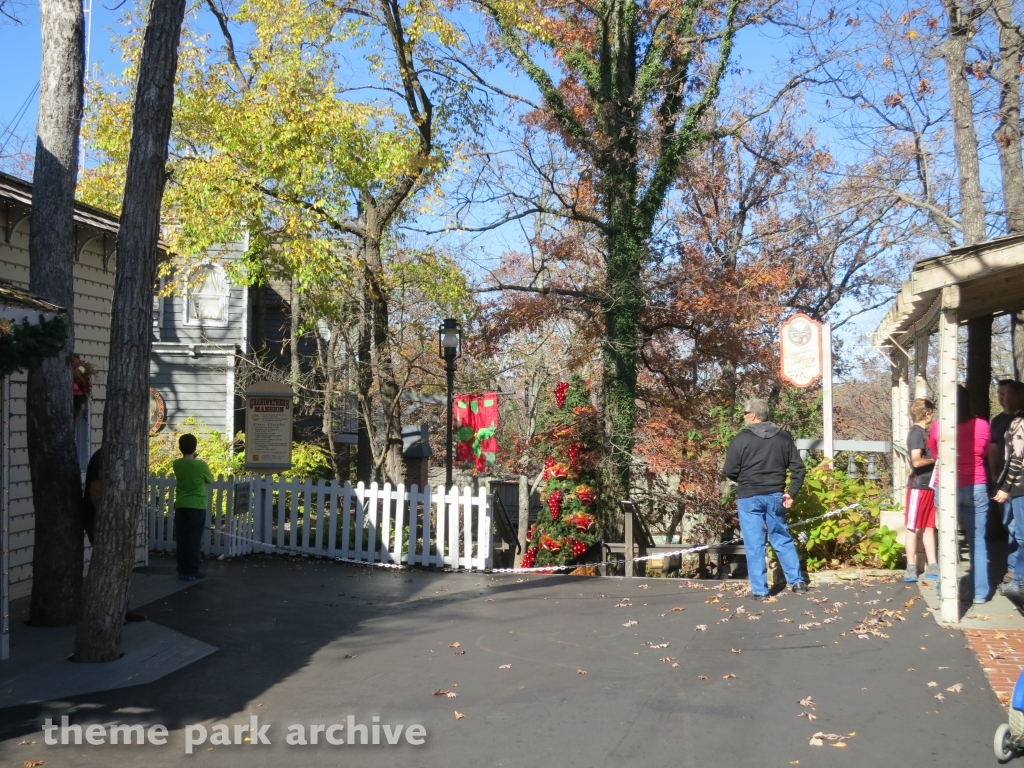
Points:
point(910, 576)
point(931, 571)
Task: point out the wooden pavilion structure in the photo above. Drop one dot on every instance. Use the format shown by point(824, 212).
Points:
point(941, 294)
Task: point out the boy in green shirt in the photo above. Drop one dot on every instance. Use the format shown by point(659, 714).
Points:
point(193, 476)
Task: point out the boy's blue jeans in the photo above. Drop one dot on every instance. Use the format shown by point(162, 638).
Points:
point(758, 514)
point(1017, 505)
point(972, 508)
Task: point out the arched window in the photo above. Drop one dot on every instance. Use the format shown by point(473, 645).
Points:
point(208, 295)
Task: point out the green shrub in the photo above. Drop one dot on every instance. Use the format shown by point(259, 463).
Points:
point(852, 538)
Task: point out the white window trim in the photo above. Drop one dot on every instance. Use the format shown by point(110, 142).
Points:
point(189, 321)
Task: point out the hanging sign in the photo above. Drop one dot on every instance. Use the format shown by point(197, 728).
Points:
point(800, 350)
point(268, 426)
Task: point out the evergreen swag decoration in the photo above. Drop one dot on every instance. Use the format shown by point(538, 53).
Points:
point(24, 345)
point(567, 526)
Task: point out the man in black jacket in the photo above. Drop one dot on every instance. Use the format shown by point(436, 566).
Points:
point(757, 459)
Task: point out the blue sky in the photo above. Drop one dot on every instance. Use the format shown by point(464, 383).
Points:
point(20, 50)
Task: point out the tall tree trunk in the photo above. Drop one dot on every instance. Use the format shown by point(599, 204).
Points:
point(294, 316)
point(364, 388)
point(383, 365)
point(972, 207)
point(1007, 138)
point(620, 357)
point(126, 417)
point(53, 459)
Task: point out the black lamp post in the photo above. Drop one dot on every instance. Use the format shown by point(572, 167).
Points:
point(450, 350)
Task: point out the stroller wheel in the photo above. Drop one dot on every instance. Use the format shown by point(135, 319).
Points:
point(1002, 744)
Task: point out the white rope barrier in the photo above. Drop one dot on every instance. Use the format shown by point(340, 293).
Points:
point(283, 549)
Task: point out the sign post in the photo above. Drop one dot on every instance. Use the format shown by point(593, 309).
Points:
point(268, 427)
point(805, 355)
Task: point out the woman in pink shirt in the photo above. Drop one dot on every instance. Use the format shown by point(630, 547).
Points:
point(972, 438)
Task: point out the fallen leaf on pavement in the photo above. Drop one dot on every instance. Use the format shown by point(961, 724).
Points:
point(442, 692)
point(460, 653)
point(737, 650)
point(940, 697)
point(32, 763)
point(451, 695)
point(932, 684)
point(631, 623)
point(458, 715)
point(943, 667)
point(808, 702)
point(713, 599)
point(675, 663)
point(994, 655)
point(667, 659)
point(956, 688)
point(701, 627)
point(678, 608)
point(730, 676)
point(581, 671)
point(911, 601)
point(505, 666)
point(815, 741)
point(349, 656)
point(645, 586)
point(808, 715)
point(838, 744)
point(455, 645)
point(23, 743)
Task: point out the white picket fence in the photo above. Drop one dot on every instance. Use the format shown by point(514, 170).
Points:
point(368, 524)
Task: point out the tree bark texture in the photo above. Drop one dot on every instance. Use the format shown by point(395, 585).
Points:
point(126, 418)
point(1008, 134)
point(972, 206)
point(965, 139)
point(53, 458)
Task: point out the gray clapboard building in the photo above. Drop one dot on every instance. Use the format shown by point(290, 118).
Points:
point(198, 331)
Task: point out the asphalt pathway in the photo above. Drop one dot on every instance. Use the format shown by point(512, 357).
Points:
point(603, 672)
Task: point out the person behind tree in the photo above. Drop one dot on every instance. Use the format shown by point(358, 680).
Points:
point(757, 459)
point(920, 507)
point(1010, 485)
point(972, 440)
point(998, 427)
point(190, 491)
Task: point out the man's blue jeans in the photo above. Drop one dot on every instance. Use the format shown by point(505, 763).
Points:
point(972, 508)
point(758, 513)
point(1017, 505)
point(1012, 546)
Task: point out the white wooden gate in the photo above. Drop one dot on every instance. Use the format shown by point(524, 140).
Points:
point(362, 523)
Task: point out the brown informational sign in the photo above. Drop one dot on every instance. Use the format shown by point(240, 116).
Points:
point(268, 426)
point(800, 350)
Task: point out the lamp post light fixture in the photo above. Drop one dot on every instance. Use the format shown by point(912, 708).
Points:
point(449, 349)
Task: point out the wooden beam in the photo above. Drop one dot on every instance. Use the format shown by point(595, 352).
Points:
point(946, 494)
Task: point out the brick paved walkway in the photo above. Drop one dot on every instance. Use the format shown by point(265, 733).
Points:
point(1001, 653)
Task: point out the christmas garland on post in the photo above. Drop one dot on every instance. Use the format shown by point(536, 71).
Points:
point(24, 345)
point(567, 526)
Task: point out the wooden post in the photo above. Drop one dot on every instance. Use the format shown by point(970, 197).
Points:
point(524, 518)
point(900, 422)
point(826, 390)
point(921, 341)
point(948, 360)
point(627, 525)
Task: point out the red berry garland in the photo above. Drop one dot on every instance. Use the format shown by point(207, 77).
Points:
point(555, 504)
point(561, 388)
point(578, 547)
point(529, 558)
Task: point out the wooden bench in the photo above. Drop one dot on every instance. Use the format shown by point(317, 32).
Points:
point(640, 543)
